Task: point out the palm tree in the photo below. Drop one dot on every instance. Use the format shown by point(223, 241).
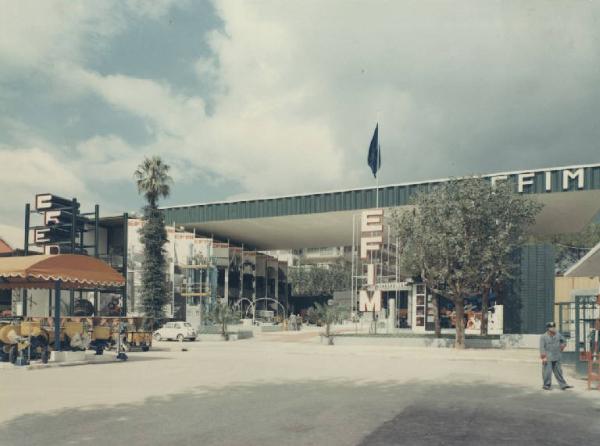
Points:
point(153, 181)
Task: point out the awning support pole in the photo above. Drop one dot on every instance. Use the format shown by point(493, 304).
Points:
point(26, 252)
point(57, 315)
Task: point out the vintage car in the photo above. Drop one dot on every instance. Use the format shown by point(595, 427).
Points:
point(177, 331)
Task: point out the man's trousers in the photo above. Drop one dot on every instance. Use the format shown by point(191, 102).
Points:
point(550, 367)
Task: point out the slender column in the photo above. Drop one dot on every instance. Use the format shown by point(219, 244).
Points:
point(73, 236)
point(277, 282)
point(96, 249)
point(125, 260)
point(57, 315)
point(254, 290)
point(352, 268)
point(226, 286)
point(96, 230)
point(241, 294)
point(26, 252)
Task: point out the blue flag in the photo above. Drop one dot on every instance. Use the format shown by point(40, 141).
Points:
point(374, 158)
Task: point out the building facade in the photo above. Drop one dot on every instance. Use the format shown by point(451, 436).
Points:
point(240, 251)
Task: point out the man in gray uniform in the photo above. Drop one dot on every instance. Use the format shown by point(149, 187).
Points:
point(551, 345)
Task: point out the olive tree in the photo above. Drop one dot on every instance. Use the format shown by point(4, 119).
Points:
point(460, 238)
point(327, 315)
point(504, 218)
point(320, 281)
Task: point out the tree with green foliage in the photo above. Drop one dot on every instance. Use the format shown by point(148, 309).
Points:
point(223, 315)
point(460, 239)
point(312, 280)
point(327, 315)
point(153, 182)
point(504, 217)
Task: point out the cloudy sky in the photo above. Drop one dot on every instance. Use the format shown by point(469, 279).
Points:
point(255, 98)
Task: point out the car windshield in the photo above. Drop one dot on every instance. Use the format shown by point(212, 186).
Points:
point(187, 324)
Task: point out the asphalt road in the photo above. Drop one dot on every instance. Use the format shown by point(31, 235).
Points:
point(324, 404)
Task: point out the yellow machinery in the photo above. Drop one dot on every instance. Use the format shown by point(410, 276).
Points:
point(137, 335)
point(34, 337)
point(24, 341)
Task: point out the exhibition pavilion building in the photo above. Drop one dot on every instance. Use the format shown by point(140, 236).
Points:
point(241, 250)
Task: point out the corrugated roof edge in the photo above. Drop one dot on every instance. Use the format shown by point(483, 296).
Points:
point(439, 180)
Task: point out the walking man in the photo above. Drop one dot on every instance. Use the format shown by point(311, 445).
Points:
point(551, 345)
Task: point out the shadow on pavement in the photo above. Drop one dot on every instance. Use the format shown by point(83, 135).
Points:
point(324, 412)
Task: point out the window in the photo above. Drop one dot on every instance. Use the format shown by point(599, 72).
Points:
point(187, 324)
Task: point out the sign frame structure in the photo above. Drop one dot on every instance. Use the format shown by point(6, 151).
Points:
point(63, 229)
point(374, 271)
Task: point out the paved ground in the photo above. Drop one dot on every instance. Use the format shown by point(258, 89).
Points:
point(285, 389)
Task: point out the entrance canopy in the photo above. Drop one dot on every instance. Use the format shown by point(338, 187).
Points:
point(570, 195)
point(562, 213)
point(43, 271)
point(587, 266)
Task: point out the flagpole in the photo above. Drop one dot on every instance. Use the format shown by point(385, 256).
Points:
point(377, 169)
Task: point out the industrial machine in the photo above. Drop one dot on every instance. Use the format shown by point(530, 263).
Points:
point(101, 339)
point(33, 338)
point(22, 342)
point(137, 334)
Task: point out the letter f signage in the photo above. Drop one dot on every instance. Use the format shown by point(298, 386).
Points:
point(371, 232)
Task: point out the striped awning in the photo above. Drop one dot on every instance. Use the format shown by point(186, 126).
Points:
point(43, 271)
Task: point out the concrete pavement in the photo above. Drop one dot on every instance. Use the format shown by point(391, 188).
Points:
point(281, 389)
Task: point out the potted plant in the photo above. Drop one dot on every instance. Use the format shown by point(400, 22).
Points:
point(327, 315)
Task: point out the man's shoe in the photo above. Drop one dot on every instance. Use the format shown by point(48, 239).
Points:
point(567, 387)
point(546, 388)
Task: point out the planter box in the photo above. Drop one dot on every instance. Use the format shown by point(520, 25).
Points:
point(67, 356)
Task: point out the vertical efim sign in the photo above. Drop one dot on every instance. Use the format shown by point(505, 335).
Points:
point(371, 241)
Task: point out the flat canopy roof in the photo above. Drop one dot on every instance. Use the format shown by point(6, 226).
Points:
point(587, 266)
point(570, 195)
point(42, 271)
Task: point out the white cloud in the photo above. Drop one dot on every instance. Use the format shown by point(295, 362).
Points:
point(169, 112)
point(152, 8)
point(299, 86)
point(27, 172)
point(458, 88)
point(104, 159)
point(43, 33)
point(35, 33)
point(13, 235)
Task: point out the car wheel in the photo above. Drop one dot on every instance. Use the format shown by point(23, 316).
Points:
point(180, 337)
point(157, 337)
point(193, 339)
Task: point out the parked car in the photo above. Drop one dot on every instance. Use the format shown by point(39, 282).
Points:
point(177, 331)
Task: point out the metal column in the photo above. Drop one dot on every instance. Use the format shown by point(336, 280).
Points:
point(96, 249)
point(73, 234)
point(125, 260)
point(57, 315)
point(26, 252)
point(226, 285)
